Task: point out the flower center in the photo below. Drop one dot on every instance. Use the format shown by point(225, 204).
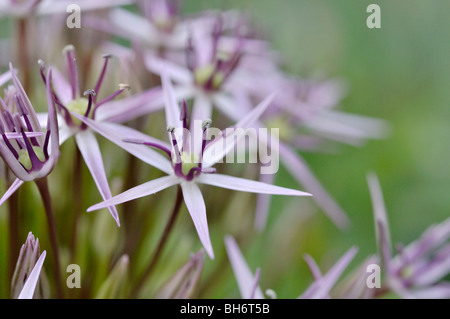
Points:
point(78, 106)
point(188, 162)
point(209, 77)
point(24, 157)
point(285, 131)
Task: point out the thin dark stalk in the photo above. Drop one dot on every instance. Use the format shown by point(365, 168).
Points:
point(42, 185)
point(14, 245)
point(77, 198)
point(162, 242)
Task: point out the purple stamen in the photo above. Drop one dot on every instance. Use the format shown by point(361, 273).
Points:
point(8, 144)
point(102, 74)
point(9, 120)
point(73, 71)
point(23, 111)
point(36, 164)
point(155, 145)
point(45, 148)
point(190, 56)
point(111, 97)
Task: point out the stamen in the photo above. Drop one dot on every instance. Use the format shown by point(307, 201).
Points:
point(9, 121)
point(69, 50)
point(91, 94)
point(122, 87)
point(11, 148)
point(47, 139)
point(178, 162)
point(42, 69)
point(35, 161)
point(102, 74)
point(155, 145)
point(23, 111)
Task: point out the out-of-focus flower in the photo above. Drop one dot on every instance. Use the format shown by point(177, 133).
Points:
point(22, 9)
point(114, 287)
point(70, 102)
point(248, 283)
point(417, 269)
point(28, 150)
point(212, 70)
point(185, 166)
point(306, 117)
point(28, 272)
point(183, 283)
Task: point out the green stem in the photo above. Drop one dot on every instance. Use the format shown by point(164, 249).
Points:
point(42, 185)
point(162, 242)
point(14, 245)
point(77, 198)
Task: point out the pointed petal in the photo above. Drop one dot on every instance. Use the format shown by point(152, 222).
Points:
point(263, 203)
point(315, 270)
point(222, 145)
point(139, 191)
point(242, 272)
point(170, 103)
point(89, 149)
point(176, 72)
point(14, 186)
point(323, 286)
point(230, 107)
point(295, 164)
point(381, 223)
point(62, 87)
point(5, 77)
point(196, 207)
point(30, 285)
point(202, 110)
point(246, 185)
point(129, 108)
point(117, 133)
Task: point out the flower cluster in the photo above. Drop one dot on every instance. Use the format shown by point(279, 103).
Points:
point(188, 96)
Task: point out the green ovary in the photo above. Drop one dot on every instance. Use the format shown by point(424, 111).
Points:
point(285, 131)
point(188, 162)
point(203, 73)
point(25, 160)
point(78, 106)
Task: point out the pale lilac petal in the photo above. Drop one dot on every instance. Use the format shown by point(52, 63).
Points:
point(172, 109)
point(196, 207)
point(322, 287)
point(117, 133)
point(230, 106)
point(27, 104)
point(175, 72)
point(246, 185)
point(218, 148)
point(89, 149)
point(201, 110)
point(30, 285)
point(440, 291)
point(242, 272)
point(5, 77)
point(54, 7)
point(132, 107)
point(295, 164)
point(315, 270)
point(434, 272)
point(380, 219)
point(139, 191)
point(62, 87)
point(13, 163)
point(14, 187)
point(133, 24)
point(263, 203)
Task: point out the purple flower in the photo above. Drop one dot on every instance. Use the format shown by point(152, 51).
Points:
point(248, 283)
point(28, 150)
point(417, 269)
point(28, 270)
point(185, 165)
point(70, 103)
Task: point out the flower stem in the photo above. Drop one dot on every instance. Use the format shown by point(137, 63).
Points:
point(42, 185)
point(161, 243)
point(77, 194)
point(13, 203)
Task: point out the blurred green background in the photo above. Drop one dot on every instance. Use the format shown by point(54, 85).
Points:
point(399, 73)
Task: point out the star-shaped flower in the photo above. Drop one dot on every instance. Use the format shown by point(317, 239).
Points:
point(190, 164)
